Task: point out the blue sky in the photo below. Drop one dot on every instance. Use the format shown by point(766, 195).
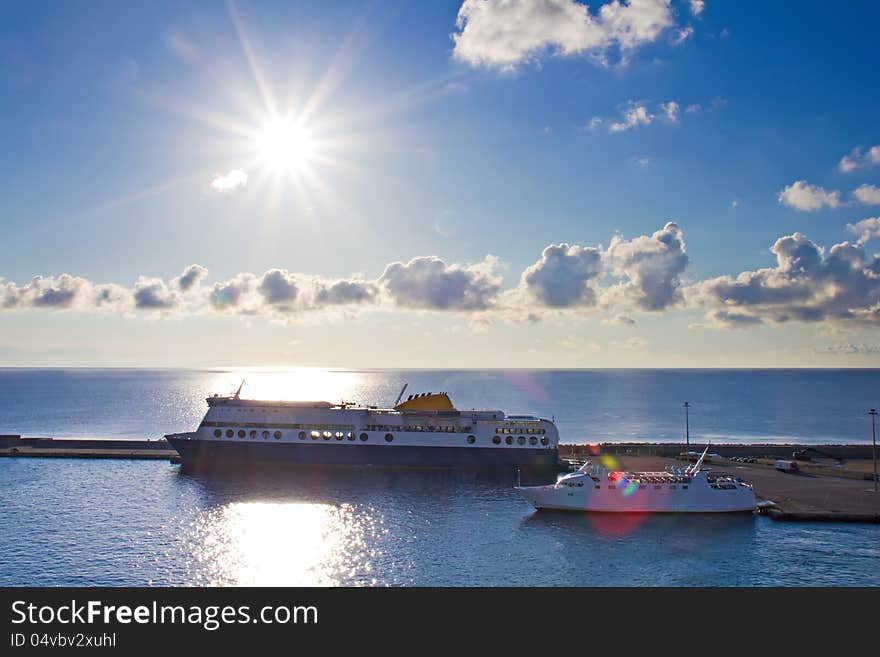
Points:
point(434, 135)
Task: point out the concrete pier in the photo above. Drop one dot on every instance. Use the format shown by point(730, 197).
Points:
point(90, 448)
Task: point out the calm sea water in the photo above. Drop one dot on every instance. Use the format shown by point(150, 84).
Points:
point(85, 522)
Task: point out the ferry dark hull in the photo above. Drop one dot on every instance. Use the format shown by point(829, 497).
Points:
point(215, 454)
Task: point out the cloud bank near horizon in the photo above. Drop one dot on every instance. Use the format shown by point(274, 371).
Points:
point(642, 275)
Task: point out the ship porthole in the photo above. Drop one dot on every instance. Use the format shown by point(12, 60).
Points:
point(217, 433)
point(351, 435)
point(302, 435)
point(389, 437)
point(364, 437)
point(316, 435)
point(508, 440)
point(340, 435)
point(533, 440)
point(265, 434)
point(496, 440)
point(521, 440)
point(242, 433)
point(253, 434)
point(229, 433)
point(327, 435)
point(471, 440)
point(277, 435)
point(545, 441)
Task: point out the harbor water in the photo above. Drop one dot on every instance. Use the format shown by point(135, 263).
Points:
point(118, 522)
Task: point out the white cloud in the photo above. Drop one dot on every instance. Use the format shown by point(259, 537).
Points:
point(231, 181)
point(650, 268)
point(734, 204)
point(802, 196)
point(191, 277)
point(806, 285)
point(697, 7)
point(566, 276)
point(866, 229)
point(635, 114)
point(696, 108)
point(860, 158)
point(670, 109)
point(428, 283)
point(682, 35)
point(503, 34)
point(868, 195)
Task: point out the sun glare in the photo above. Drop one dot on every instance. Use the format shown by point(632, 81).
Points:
point(285, 146)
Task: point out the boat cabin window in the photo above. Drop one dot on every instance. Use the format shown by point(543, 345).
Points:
point(508, 440)
point(545, 440)
point(277, 435)
point(533, 440)
point(496, 440)
point(389, 437)
point(521, 440)
point(364, 437)
point(302, 435)
point(265, 434)
point(471, 440)
point(229, 433)
point(217, 433)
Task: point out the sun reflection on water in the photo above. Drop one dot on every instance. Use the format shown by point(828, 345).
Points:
point(284, 544)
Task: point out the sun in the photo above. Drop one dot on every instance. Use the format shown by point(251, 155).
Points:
point(285, 146)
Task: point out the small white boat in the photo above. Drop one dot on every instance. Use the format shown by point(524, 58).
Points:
point(679, 490)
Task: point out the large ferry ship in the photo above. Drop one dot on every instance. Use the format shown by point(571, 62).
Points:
point(425, 430)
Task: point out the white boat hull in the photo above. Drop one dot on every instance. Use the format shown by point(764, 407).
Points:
point(696, 497)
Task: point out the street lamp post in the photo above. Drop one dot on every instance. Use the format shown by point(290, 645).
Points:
point(873, 414)
point(687, 428)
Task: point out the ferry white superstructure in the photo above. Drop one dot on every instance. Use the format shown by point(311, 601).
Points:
point(686, 490)
point(425, 430)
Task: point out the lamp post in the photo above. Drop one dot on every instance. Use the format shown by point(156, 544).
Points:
point(687, 429)
point(873, 414)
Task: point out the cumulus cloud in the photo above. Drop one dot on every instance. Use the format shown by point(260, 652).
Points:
point(566, 276)
point(354, 291)
point(866, 229)
point(802, 196)
point(191, 277)
point(807, 284)
point(428, 283)
point(502, 34)
point(868, 194)
point(697, 7)
point(860, 158)
point(154, 294)
point(231, 181)
point(278, 287)
point(651, 268)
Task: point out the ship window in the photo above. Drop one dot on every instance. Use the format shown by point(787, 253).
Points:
point(229, 433)
point(508, 440)
point(657, 487)
point(364, 437)
point(598, 487)
point(471, 440)
point(302, 435)
point(265, 434)
point(327, 435)
point(521, 440)
point(253, 434)
point(242, 433)
point(545, 440)
point(684, 487)
point(533, 440)
point(217, 433)
point(612, 487)
point(389, 437)
point(496, 440)
point(315, 435)
point(581, 484)
point(277, 435)
point(340, 435)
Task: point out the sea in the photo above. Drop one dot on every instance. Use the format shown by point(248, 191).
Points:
point(117, 522)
